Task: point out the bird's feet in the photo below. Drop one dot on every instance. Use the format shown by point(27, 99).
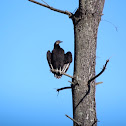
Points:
point(57, 70)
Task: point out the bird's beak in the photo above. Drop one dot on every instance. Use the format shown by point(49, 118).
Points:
point(59, 42)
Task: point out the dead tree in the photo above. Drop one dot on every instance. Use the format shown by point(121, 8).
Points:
point(86, 21)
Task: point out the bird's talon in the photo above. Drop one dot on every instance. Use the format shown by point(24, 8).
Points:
point(57, 70)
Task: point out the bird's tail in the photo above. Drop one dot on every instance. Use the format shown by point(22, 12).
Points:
point(57, 76)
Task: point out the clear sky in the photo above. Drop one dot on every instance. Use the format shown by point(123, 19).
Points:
point(28, 94)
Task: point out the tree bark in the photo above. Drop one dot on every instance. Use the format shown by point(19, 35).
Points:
point(86, 21)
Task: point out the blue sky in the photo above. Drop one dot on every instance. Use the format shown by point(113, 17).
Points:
point(28, 94)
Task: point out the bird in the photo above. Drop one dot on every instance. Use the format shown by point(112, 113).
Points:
point(58, 60)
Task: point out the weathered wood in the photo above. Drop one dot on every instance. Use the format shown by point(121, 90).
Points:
point(86, 21)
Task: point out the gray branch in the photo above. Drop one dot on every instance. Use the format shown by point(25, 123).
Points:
point(53, 70)
point(78, 124)
point(51, 8)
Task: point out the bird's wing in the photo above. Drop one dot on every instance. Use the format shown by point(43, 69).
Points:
point(67, 61)
point(49, 59)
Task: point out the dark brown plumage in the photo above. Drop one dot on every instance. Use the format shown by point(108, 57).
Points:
point(58, 60)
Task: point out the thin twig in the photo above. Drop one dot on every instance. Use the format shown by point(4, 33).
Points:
point(45, 2)
point(116, 28)
point(72, 86)
point(54, 9)
point(63, 88)
point(98, 83)
point(71, 82)
point(99, 73)
point(73, 120)
point(53, 70)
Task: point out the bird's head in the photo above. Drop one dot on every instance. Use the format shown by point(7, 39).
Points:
point(58, 42)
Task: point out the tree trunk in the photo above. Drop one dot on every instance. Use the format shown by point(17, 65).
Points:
point(86, 21)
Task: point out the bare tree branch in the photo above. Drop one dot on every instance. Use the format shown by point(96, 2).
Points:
point(54, 9)
point(98, 83)
point(99, 73)
point(44, 2)
point(78, 124)
point(89, 86)
point(72, 86)
point(116, 28)
point(63, 88)
point(71, 82)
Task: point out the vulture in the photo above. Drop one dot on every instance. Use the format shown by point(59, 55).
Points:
point(58, 60)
